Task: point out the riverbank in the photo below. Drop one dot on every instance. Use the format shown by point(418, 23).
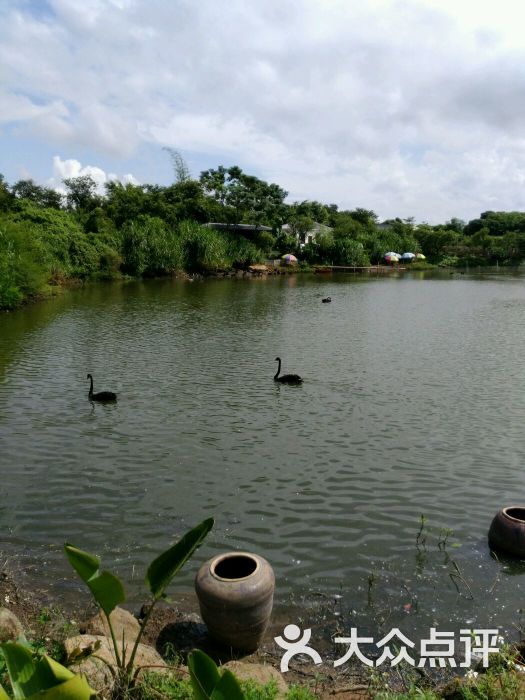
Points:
point(174, 630)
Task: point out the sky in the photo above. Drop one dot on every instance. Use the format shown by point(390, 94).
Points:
point(411, 108)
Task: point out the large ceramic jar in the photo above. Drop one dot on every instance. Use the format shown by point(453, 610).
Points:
point(235, 592)
point(507, 531)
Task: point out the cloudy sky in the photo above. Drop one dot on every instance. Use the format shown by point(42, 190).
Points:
point(407, 107)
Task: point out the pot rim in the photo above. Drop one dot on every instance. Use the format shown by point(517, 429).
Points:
point(511, 517)
point(217, 560)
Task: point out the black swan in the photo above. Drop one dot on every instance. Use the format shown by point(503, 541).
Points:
point(286, 378)
point(101, 395)
point(327, 300)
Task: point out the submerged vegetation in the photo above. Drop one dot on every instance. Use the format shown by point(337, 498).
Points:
point(48, 238)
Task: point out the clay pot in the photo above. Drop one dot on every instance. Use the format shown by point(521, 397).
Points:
point(235, 592)
point(507, 531)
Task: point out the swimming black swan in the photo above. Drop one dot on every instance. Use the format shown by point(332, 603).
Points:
point(101, 395)
point(286, 378)
point(327, 300)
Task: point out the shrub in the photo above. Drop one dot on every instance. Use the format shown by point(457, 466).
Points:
point(22, 270)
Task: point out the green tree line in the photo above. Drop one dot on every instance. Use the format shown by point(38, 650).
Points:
point(48, 238)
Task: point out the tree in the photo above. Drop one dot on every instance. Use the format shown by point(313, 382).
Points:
point(180, 169)
point(497, 223)
point(43, 196)
point(126, 202)
point(186, 201)
point(364, 216)
point(6, 197)
point(81, 193)
point(245, 198)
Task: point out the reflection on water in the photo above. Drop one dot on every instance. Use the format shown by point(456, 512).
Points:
point(413, 404)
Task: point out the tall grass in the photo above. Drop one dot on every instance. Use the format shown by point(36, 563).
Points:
point(23, 273)
point(39, 246)
point(208, 250)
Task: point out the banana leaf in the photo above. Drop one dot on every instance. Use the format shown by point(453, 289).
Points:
point(43, 678)
point(106, 588)
point(164, 567)
point(208, 683)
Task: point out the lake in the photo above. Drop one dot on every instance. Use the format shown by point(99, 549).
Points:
point(411, 415)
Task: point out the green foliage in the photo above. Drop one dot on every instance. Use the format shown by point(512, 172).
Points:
point(244, 197)
point(150, 230)
point(126, 202)
point(106, 588)
point(108, 591)
point(166, 685)
point(34, 677)
point(65, 247)
point(336, 249)
point(208, 683)
point(414, 693)
point(299, 692)
point(450, 261)
point(263, 240)
point(6, 197)
point(81, 193)
point(240, 252)
point(497, 223)
point(42, 196)
point(170, 686)
point(203, 249)
point(150, 247)
point(163, 568)
point(22, 272)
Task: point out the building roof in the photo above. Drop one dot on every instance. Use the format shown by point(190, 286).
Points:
point(243, 228)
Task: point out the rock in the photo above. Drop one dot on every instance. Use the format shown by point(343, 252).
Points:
point(261, 673)
point(97, 675)
point(96, 670)
point(258, 269)
point(10, 627)
point(122, 621)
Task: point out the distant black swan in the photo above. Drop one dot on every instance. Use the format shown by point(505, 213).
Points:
point(327, 300)
point(286, 378)
point(101, 395)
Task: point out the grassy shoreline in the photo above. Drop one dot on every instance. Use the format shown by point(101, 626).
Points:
point(49, 622)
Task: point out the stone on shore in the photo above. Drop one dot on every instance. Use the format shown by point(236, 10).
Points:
point(261, 673)
point(10, 626)
point(96, 669)
point(122, 621)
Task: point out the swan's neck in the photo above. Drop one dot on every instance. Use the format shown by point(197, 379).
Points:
point(278, 370)
point(91, 387)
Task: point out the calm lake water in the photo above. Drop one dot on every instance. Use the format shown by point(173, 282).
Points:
point(413, 404)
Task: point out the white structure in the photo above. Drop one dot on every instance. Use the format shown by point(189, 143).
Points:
point(311, 235)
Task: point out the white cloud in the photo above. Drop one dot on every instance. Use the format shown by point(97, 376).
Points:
point(71, 168)
point(409, 107)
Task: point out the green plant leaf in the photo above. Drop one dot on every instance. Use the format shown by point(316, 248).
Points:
point(106, 588)
point(44, 678)
point(164, 567)
point(204, 674)
point(227, 688)
point(86, 565)
point(76, 688)
point(21, 669)
point(57, 671)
